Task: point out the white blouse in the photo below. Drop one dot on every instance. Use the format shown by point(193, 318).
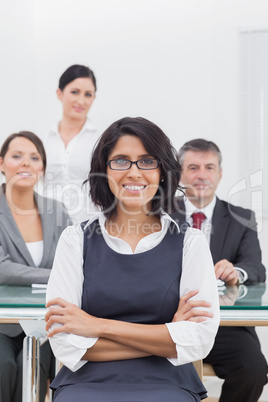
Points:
point(36, 249)
point(68, 167)
point(193, 340)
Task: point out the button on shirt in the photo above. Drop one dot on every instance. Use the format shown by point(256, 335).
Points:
point(193, 340)
point(68, 167)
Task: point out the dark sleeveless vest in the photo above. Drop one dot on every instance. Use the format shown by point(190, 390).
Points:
point(139, 288)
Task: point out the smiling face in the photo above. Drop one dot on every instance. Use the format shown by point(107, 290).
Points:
point(134, 188)
point(77, 98)
point(22, 164)
point(201, 175)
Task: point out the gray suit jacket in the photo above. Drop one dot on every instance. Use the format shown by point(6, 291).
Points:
point(16, 264)
point(233, 237)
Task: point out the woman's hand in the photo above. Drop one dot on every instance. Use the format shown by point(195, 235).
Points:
point(73, 320)
point(187, 310)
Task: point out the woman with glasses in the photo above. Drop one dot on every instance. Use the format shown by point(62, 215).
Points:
point(132, 296)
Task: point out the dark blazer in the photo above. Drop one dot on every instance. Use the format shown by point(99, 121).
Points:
point(233, 237)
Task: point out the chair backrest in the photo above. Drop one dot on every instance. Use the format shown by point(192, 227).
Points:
point(199, 368)
point(204, 369)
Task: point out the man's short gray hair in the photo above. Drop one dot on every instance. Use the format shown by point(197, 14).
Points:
point(199, 145)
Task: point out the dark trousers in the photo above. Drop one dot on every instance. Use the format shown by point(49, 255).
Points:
point(236, 357)
point(11, 368)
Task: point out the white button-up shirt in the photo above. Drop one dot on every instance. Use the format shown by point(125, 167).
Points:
point(193, 340)
point(68, 167)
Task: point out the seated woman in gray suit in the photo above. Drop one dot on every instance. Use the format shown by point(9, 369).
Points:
point(30, 226)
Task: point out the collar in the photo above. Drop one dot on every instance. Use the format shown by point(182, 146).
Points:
point(165, 221)
point(190, 208)
point(88, 126)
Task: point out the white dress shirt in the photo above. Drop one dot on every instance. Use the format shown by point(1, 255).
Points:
point(193, 340)
point(68, 167)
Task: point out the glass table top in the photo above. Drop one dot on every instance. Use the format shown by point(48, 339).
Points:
point(22, 296)
point(243, 297)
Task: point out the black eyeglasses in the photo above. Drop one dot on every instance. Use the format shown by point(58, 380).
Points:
point(125, 164)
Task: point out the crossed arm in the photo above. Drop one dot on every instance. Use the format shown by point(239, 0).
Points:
point(119, 340)
point(77, 337)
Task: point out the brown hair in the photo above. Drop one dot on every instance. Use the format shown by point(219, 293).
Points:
point(29, 136)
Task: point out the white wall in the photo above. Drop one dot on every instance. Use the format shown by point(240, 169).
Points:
point(175, 62)
point(16, 66)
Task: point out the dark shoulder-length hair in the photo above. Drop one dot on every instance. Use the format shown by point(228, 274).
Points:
point(156, 144)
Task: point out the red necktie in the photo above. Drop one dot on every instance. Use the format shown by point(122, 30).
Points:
point(198, 218)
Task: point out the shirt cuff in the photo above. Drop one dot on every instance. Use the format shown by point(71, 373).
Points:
point(185, 342)
point(242, 275)
point(69, 349)
point(82, 342)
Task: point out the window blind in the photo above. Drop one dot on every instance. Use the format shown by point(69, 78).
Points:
point(253, 187)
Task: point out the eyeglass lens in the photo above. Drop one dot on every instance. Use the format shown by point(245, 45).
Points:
point(124, 164)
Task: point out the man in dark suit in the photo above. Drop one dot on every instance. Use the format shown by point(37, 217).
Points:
point(232, 234)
